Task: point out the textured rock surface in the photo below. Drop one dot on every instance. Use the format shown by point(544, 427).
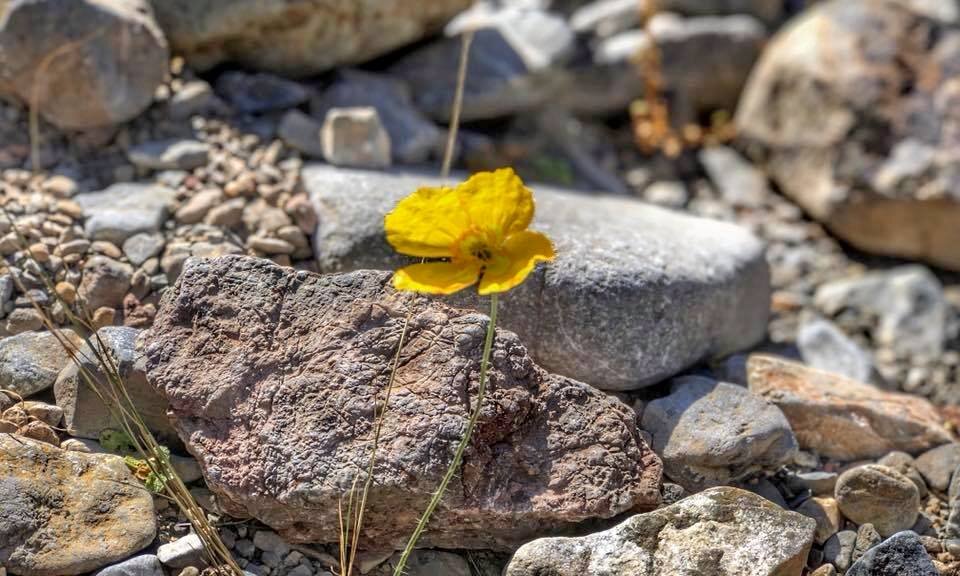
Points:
point(271, 375)
point(65, 513)
point(298, 38)
point(30, 361)
point(902, 554)
point(868, 148)
point(85, 414)
point(710, 433)
point(86, 63)
point(636, 294)
point(721, 531)
point(842, 418)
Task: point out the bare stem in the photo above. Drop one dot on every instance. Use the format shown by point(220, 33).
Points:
point(461, 447)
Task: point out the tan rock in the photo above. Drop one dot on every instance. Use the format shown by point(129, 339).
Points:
point(878, 495)
point(842, 418)
point(826, 512)
point(65, 512)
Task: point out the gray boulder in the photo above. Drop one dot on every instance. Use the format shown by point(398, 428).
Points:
point(636, 294)
point(85, 63)
point(30, 361)
point(263, 366)
point(84, 413)
point(711, 433)
point(296, 38)
point(721, 531)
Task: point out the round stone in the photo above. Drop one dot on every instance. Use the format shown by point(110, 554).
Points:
point(878, 495)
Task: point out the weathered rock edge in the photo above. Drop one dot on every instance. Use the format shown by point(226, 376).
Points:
point(270, 372)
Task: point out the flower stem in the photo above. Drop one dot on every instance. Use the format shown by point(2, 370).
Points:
point(461, 448)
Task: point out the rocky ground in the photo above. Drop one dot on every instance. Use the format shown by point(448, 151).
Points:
point(745, 359)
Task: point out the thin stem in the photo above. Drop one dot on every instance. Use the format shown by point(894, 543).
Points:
point(461, 448)
point(457, 104)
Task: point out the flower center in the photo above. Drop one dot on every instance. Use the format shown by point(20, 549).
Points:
point(475, 245)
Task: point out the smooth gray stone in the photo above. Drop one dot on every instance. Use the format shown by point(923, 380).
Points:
point(122, 210)
point(823, 346)
point(637, 293)
point(145, 565)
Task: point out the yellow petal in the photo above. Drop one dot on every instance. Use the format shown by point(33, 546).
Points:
point(520, 254)
point(497, 202)
point(436, 277)
point(427, 222)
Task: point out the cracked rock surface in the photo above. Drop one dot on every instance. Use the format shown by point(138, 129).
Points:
point(272, 374)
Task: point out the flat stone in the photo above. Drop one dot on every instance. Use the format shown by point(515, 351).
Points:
point(820, 483)
point(842, 418)
point(908, 303)
point(413, 137)
point(739, 182)
point(721, 531)
point(122, 210)
point(878, 495)
point(767, 10)
point(67, 513)
point(902, 554)
point(823, 346)
point(937, 465)
point(606, 17)
point(625, 305)
point(235, 330)
point(710, 433)
point(176, 154)
point(85, 414)
point(141, 247)
point(30, 361)
point(145, 565)
point(182, 552)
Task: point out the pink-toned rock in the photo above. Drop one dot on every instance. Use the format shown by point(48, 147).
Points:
point(842, 418)
point(271, 375)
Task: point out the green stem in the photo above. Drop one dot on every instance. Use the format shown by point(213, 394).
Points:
point(461, 448)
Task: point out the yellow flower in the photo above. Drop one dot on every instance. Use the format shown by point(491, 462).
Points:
point(478, 229)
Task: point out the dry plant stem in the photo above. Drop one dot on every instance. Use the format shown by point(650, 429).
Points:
point(457, 104)
point(461, 447)
point(124, 412)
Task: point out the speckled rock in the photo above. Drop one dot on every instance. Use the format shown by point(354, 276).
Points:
point(296, 38)
point(842, 418)
point(878, 495)
point(110, 58)
point(721, 531)
point(235, 331)
point(626, 304)
point(66, 513)
point(710, 433)
point(30, 361)
point(902, 554)
point(868, 148)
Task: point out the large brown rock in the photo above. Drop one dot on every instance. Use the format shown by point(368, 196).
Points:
point(842, 418)
point(297, 38)
point(272, 376)
point(867, 147)
point(65, 513)
point(83, 63)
